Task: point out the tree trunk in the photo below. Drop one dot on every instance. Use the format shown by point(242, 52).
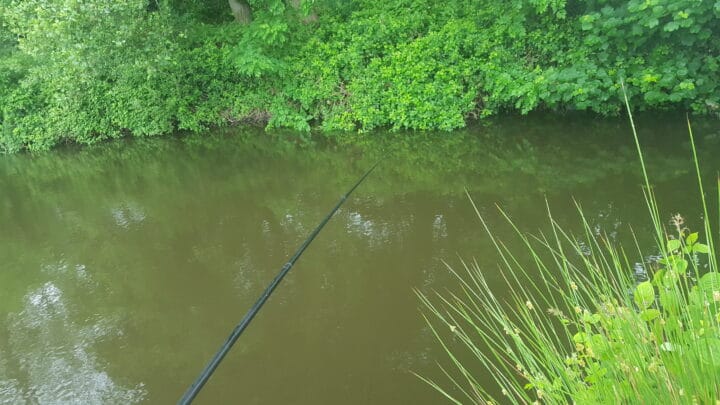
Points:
point(241, 10)
point(297, 5)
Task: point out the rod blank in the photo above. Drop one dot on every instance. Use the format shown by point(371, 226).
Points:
point(207, 372)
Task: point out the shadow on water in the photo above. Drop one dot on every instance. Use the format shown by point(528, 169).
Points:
point(123, 266)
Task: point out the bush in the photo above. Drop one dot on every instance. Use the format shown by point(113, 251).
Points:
point(92, 70)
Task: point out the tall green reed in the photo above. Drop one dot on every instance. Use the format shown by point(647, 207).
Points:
point(575, 325)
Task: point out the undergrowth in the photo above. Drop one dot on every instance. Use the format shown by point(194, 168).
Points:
point(89, 71)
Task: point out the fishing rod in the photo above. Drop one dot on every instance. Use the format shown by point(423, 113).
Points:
point(204, 376)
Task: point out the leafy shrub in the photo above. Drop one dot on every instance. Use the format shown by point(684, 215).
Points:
point(92, 70)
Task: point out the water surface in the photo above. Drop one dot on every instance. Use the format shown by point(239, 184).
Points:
point(124, 266)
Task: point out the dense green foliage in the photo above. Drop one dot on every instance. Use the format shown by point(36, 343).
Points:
point(580, 326)
point(91, 70)
point(574, 333)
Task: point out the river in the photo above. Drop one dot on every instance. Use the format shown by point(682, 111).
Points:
point(125, 265)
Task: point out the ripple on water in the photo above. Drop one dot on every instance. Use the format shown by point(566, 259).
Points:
point(49, 357)
point(128, 214)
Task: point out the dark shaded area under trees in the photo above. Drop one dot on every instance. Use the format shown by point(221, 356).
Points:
point(92, 70)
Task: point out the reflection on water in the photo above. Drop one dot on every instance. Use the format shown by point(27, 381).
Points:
point(124, 266)
point(127, 214)
point(374, 233)
point(48, 355)
point(439, 227)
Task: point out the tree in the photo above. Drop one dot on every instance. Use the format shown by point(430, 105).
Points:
point(241, 10)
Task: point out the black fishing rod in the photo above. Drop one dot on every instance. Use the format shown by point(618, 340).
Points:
point(195, 388)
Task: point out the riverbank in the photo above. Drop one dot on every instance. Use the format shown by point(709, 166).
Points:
point(359, 66)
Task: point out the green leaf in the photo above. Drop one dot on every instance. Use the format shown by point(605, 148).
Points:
point(669, 278)
point(711, 345)
point(591, 319)
point(680, 265)
point(595, 373)
point(673, 244)
point(598, 344)
point(658, 277)
point(692, 238)
point(709, 283)
point(644, 295)
point(669, 300)
point(694, 297)
point(649, 314)
point(672, 324)
point(671, 26)
point(700, 248)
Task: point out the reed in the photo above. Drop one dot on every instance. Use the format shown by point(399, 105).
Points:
point(577, 326)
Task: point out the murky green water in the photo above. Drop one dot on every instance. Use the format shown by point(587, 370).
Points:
point(123, 267)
